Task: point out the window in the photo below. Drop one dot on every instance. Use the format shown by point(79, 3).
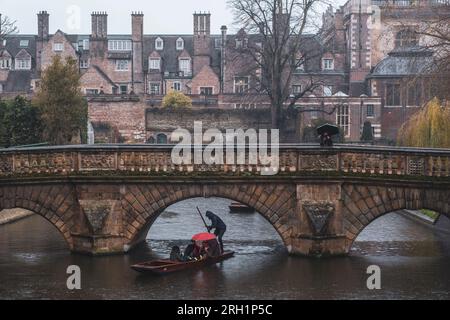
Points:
point(5, 63)
point(207, 91)
point(314, 113)
point(23, 64)
point(154, 88)
point(154, 64)
point(121, 65)
point(84, 63)
point(177, 86)
point(343, 119)
point(241, 84)
point(24, 43)
point(159, 44)
point(296, 89)
point(161, 138)
point(1, 88)
point(123, 89)
point(414, 94)
point(405, 38)
point(217, 43)
point(370, 111)
point(58, 47)
point(91, 92)
point(119, 45)
point(180, 44)
point(299, 65)
point(185, 66)
point(86, 44)
point(392, 95)
point(328, 64)
point(327, 91)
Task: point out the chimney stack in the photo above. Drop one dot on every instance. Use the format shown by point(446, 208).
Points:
point(99, 25)
point(43, 25)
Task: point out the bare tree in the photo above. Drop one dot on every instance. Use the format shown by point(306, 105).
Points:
point(280, 27)
point(7, 26)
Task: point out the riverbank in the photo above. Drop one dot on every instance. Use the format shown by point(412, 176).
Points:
point(13, 215)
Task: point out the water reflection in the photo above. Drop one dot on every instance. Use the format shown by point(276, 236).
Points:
point(414, 260)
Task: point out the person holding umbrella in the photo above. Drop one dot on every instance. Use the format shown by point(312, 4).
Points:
point(325, 132)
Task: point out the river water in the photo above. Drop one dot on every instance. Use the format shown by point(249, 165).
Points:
point(414, 261)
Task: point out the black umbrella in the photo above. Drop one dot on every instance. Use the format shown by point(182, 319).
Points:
point(331, 129)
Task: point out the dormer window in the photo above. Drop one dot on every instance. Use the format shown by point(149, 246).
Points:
point(154, 64)
point(24, 43)
point(159, 44)
point(119, 45)
point(23, 64)
point(327, 64)
point(180, 44)
point(58, 47)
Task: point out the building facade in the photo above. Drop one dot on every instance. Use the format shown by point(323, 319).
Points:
point(365, 51)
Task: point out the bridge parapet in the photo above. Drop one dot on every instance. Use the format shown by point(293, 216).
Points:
point(156, 160)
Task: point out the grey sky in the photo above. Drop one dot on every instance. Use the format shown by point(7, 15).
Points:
point(161, 17)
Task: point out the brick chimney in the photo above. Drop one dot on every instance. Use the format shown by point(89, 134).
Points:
point(137, 35)
point(99, 25)
point(43, 25)
point(202, 41)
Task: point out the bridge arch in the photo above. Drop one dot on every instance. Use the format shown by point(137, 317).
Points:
point(362, 205)
point(144, 203)
point(52, 202)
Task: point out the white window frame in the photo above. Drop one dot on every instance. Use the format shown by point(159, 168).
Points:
point(84, 63)
point(372, 114)
point(23, 64)
point(187, 68)
point(180, 44)
point(206, 87)
point(247, 85)
point(119, 45)
point(122, 65)
point(296, 86)
point(58, 47)
point(24, 43)
point(5, 63)
point(91, 91)
point(176, 85)
point(86, 44)
point(151, 84)
point(343, 118)
point(159, 44)
point(327, 64)
point(154, 63)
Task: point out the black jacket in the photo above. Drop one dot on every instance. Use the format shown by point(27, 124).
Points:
point(216, 222)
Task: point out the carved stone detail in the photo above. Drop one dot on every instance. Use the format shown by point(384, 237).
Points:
point(96, 211)
point(318, 162)
point(319, 214)
point(98, 161)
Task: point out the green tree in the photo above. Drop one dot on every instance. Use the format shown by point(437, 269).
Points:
point(175, 99)
point(63, 108)
point(367, 133)
point(429, 127)
point(20, 123)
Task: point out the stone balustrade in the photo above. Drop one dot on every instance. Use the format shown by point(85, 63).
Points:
point(156, 159)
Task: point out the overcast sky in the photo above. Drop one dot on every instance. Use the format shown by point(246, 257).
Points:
point(161, 16)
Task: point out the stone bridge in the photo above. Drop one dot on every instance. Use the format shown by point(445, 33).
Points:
point(103, 199)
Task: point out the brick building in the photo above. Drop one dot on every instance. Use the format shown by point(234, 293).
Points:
point(364, 52)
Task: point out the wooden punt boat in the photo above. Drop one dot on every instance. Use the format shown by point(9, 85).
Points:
point(237, 207)
point(161, 267)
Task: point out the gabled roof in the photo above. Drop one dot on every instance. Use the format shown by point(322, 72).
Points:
point(23, 54)
point(13, 44)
